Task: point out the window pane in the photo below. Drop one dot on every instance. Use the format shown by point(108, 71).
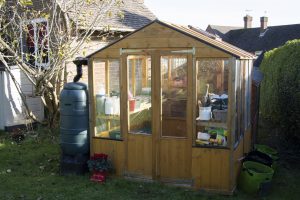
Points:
point(29, 49)
point(247, 94)
point(42, 42)
point(212, 86)
point(107, 91)
point(35, 44)
point(174, 95)
point(139, 94)
point(238, 96)
point(250, 89)
point(212, 96)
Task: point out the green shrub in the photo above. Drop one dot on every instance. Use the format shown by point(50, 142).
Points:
point(280, 89)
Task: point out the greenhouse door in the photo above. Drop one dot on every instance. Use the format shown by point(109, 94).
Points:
point(139, 134)
point(175, 138)
point(158, 117)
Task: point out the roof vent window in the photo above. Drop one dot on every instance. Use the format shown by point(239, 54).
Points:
point(262, 34)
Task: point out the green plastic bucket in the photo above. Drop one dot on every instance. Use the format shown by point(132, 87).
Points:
point(254, 174)
point(267, 150)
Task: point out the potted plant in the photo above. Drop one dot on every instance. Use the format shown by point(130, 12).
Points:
point(99, 165)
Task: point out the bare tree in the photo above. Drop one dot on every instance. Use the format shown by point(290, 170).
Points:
point(40, 40)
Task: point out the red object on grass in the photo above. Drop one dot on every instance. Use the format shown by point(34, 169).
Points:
point(99, 177)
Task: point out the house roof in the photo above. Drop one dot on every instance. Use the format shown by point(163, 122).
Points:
point(214, 36)
point(126, 16)
point(253, 40)
point(220, 30)
point(198, 35)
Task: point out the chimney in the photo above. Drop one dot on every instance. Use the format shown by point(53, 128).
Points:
point(247, 21)
point(263, 23)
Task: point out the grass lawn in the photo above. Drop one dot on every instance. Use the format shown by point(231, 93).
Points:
point(30, 170)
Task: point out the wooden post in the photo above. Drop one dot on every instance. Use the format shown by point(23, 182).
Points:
point(194, 97)
point(156, 112)
point(92, 113)
point(124, 107)
point(190, 120)
point(231, 118)
point(144, 72)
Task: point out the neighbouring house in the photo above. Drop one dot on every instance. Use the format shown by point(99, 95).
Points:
point(256, 40)
point(123, 19)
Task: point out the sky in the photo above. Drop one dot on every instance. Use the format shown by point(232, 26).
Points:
point(200, 13)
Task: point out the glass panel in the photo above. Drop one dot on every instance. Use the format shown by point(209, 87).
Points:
point(174, 95)
point(139, 94)
point(107, 90)
point(212, 96)
point(42, 43)
point(249, 90)
point(212, 85)
point(248, 93)
point(238, 100)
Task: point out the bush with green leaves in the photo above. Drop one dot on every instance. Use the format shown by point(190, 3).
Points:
point(280, 89)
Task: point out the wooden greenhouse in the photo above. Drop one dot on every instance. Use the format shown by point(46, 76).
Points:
point(172, 104)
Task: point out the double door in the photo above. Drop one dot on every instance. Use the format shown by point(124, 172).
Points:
point(158, 131)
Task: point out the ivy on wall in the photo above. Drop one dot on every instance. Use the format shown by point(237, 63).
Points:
point(280, 89)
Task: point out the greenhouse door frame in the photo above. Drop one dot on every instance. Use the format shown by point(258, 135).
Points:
point(178, 149)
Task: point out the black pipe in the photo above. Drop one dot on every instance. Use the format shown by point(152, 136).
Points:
point(79, 61)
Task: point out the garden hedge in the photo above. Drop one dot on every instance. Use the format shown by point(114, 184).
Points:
point(280, 89)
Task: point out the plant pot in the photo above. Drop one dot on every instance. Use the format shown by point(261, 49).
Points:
point(254, 176)
point(98, 177)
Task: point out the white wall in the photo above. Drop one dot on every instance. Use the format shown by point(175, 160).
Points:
point(11, 103)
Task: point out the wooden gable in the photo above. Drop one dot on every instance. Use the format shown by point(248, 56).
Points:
point(157, 36)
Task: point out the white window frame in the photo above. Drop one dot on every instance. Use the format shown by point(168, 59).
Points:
point(34, 22)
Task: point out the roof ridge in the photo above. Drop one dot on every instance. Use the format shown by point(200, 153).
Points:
point(225, 25)
point(253, 28)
